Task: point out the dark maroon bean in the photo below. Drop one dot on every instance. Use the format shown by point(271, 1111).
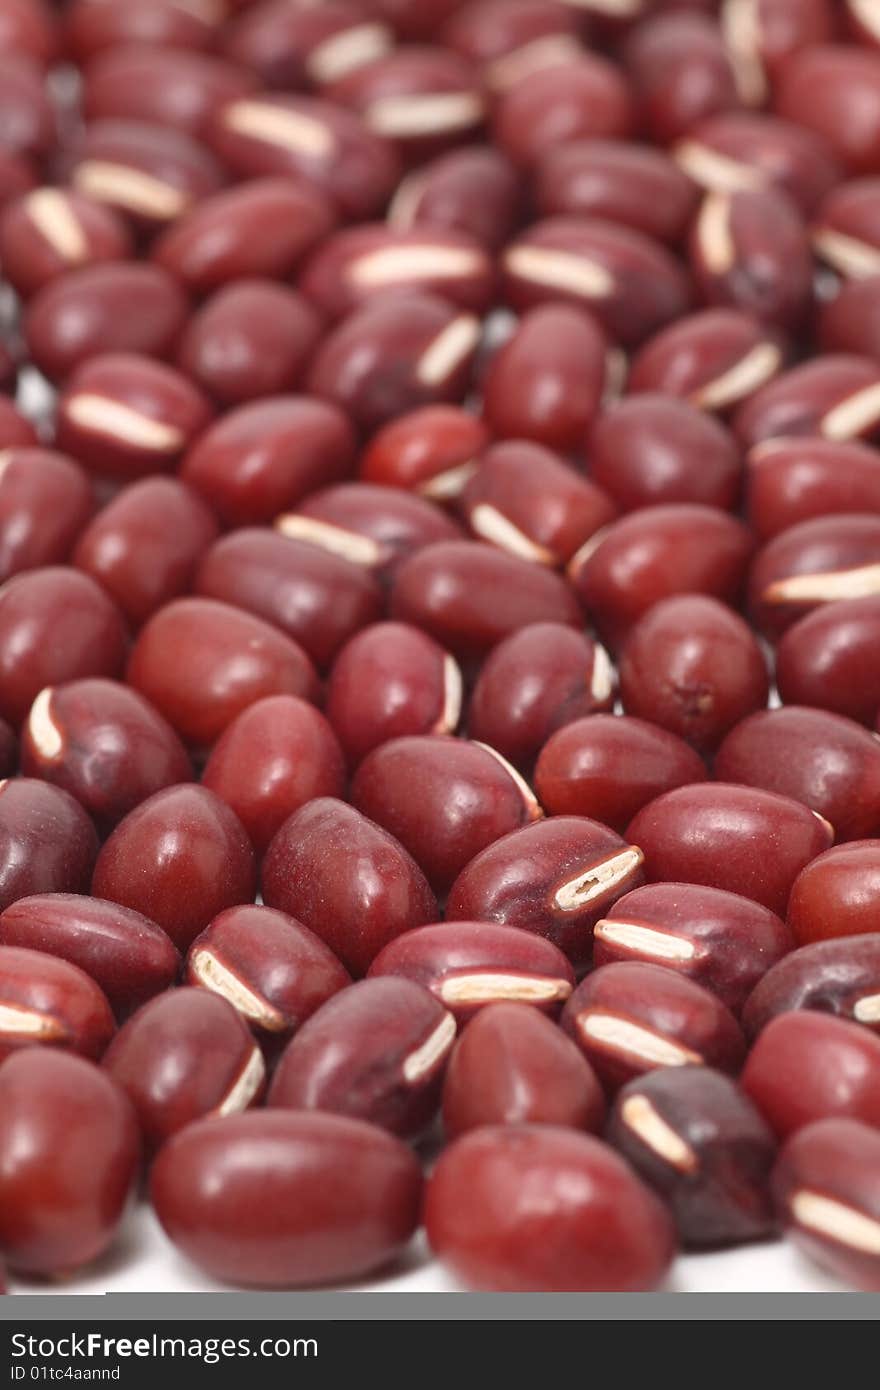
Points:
point(555, 878)
point(252, 338)
point(469, 965)
point(721, 940)
point(539, 679)
point(347, 879)
point(583, 98)
point(794, 480)
point(162, 85)
point(633, 185)
point(806, 1066)
point(681, 72)
point(714, 359)
point(693, 1136)
point(749, 250)
point(694, 667)
point(394, 354)
point(837, 894)
point(144, 546)
point(513, 1066)
point(59, 1215)
point(47, 842)
point(91, 26)
point(473, 190)
point(127, 955)
point(548, 380)
point(322, 143)
point(28, 120)
point(50, 1002)
point(201, 663)
point(825, 1186)
point(121, 307)
point(846, 228)
point(123, 416)
point(51, 230)
point(840, 976)
point(811, 564)
point(55, 625)
point(740, 151)
point(444, 799)
point(745, 840)
point(834, 89)
point(260, 227)
point(470, 596)
point(649, 450)
point(264, 456)
point(270, 967)
point(376, 1052)
point(629, 281)
point(656, 553)
point(338, 1198)
point(367, 524)
point(831, 658)
point(836, 397)
point(150, 173)
point(179, 857)
point(292, 46)
point(45, 502)
point(508, 39)
point(596, 1226)
point(432, 451)
point(629, 1018)
point(104, 744)
point(609, 766)
point(185, 1054)
point(274, 757)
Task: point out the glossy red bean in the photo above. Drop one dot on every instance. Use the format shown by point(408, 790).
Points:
point(127, 955)
point(119, 307)
point(586, 97)
point(432, 451)
point(715, 359)
point(749, 250)
point(415, 19)
point(91, 26)
point(548, 380)
point(45, 502)
point(811, 564)
point(444, 799)
point(473, 190)
point(274, 757)
point(396, 353)
point(102, 743)
point(376, 1051)
point(840, 975)
point(743, 839)
point(270, 967)
point(318, 141)
point(648, 450)
point(846, 228)
point(831, 658)
point(260, 227)
point(367, 524)
point(847, 323)
point(28, 27)
point(55, 625)
point(180, 857)
point(692, 1136)
point(596, 1226)
point(834, 89)
point(634, 185)
point(555, 878)
point(184, 1055)
point(47, 842)
point(60, 1215)
point(806, 1066)
point(720, 940)
point(165, 85)
point(293, 46)
point(201, 663)
point(252, 338)
point(794, 480)
point(347, 879)
point(50, 1002)
point(16, 431)
point(656, 553)
point(508, 39)
point(513, 1066)
point(741, 151)
point(48, 231)
point(539, 679)
point(609, 766)
point(837, 894)
point(388, 681)
point(28, 119)
point(338, 1198)
point(315, 595)
point(681, 72)
point(148, 172)
point(760, 37)
point(629, 281)
point(835, 396)
point(825, 1186)
point(470, 596)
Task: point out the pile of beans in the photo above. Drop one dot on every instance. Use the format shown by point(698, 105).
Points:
point(434, 431)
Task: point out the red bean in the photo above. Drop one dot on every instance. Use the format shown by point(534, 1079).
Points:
point(835, 396)
point(28, 27)
point(831, 658)
point(432, 451)
point(148, 172)
point(807, 1066)
point(47, 842)
point(715, 359)
point(180, 857)
point(584, 97)
point(48, 1001)
point(840, 976)
point(367, 525)
point(846, 229)
point(634, 185)
point(48, 231)
point(338, 1198)
point(837, 894)
point(814, 563)
point(794, 480)
point(596, 1226)
point(16, 432)
point(739, 151)
point(510, 38)
point(91, 26)
point(473, 190)
point(681, 72)
point(58, 1214)
point(45, 502)
point(28, 118)
point(175, 87)
point(834, 90)
point(749, 250)
point(291, 47)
